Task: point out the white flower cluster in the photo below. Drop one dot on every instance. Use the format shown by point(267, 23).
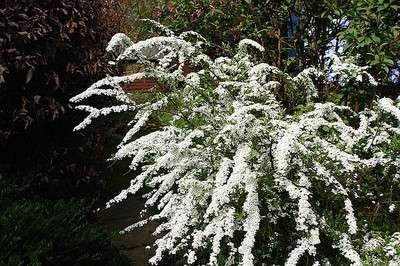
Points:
point(230, 140)
point(344, 70)
point(383, 251)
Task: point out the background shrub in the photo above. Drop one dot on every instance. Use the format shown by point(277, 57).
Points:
point(49, 51)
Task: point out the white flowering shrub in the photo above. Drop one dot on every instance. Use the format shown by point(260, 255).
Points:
point(235, 178)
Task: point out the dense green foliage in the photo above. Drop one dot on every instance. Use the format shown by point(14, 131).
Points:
point(374, 33)
point(35, 231)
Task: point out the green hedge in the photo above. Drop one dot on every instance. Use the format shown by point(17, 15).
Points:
point(34, 231)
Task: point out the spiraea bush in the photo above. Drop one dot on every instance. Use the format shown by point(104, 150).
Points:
point(237, 178)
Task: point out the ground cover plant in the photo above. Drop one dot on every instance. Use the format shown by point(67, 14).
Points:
point(39, 231)
point(236, 177)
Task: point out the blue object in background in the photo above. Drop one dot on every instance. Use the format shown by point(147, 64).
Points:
point(292, 28)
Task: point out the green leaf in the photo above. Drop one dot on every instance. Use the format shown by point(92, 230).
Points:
point(387, 61)
point(376, 38)
point(385, 68)
point(395, 7)
point(218, 11)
